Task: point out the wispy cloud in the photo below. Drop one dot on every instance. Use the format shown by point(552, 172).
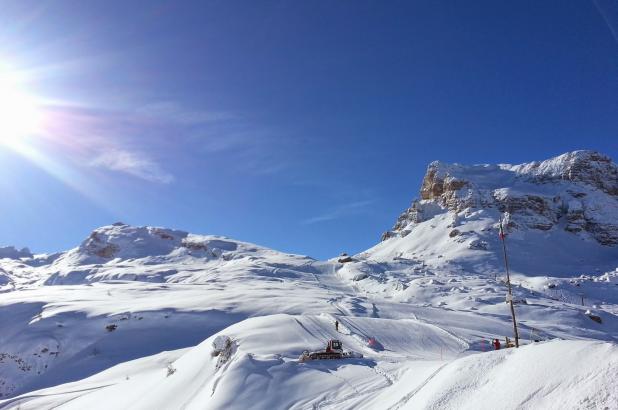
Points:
point(249, 148)
point(132, 163)
point(351, 208)
point(128, 140)
point(170, 111)
point(101, 138)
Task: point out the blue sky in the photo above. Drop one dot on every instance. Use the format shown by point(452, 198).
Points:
point(303, 126)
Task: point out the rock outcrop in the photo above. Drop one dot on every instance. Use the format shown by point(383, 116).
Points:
point(125, 241)
point(11, 252)
point(576, 192)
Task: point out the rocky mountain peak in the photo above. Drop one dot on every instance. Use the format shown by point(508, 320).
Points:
point(576, 192)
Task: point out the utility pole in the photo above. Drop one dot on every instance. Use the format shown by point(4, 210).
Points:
point(509, 297)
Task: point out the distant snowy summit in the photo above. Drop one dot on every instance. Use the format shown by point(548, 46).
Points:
point(576, 192)
point(122, 241)
point(143, 253)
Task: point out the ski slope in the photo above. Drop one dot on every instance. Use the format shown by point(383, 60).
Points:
point(409, 372)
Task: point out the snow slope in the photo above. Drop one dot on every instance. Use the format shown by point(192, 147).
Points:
point(263, 372)
point(127, 319)
point(539, 376)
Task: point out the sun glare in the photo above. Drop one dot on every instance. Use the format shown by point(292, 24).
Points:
point(19, 114)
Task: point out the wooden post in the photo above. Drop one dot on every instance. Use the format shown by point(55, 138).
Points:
point(508, 281)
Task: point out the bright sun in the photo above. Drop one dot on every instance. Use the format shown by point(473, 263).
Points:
point(19, 114)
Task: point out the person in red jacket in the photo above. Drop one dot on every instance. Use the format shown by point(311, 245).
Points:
point(496, 344)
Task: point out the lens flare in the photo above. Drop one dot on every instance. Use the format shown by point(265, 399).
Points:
point(19, 112)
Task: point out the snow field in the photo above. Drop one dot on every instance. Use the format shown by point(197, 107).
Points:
point(264, 371)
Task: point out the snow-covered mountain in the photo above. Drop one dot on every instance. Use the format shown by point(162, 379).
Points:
point(129, 318)
point(561, 216)
point(575, 192)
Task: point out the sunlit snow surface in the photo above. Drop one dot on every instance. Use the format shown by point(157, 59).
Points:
point(134, 328)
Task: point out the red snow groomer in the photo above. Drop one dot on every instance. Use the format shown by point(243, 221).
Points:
point(334, 350)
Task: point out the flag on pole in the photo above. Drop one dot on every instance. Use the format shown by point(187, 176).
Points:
point(501, 234)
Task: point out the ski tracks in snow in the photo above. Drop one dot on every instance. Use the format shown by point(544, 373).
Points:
point(413, 393)
point(337, 403)
point(24, 399)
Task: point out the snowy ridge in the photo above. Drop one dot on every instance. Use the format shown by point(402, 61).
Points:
point(586, 167)
point(123, 252)
point(128, 318)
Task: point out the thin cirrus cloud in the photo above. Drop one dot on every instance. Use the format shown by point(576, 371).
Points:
point(93, 137)
point(132, 163)
point(248, 148)
point(111, 154)
point(173, 112)
point(357, 207)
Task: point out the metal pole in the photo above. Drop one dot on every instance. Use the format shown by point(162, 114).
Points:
point(508, 281)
